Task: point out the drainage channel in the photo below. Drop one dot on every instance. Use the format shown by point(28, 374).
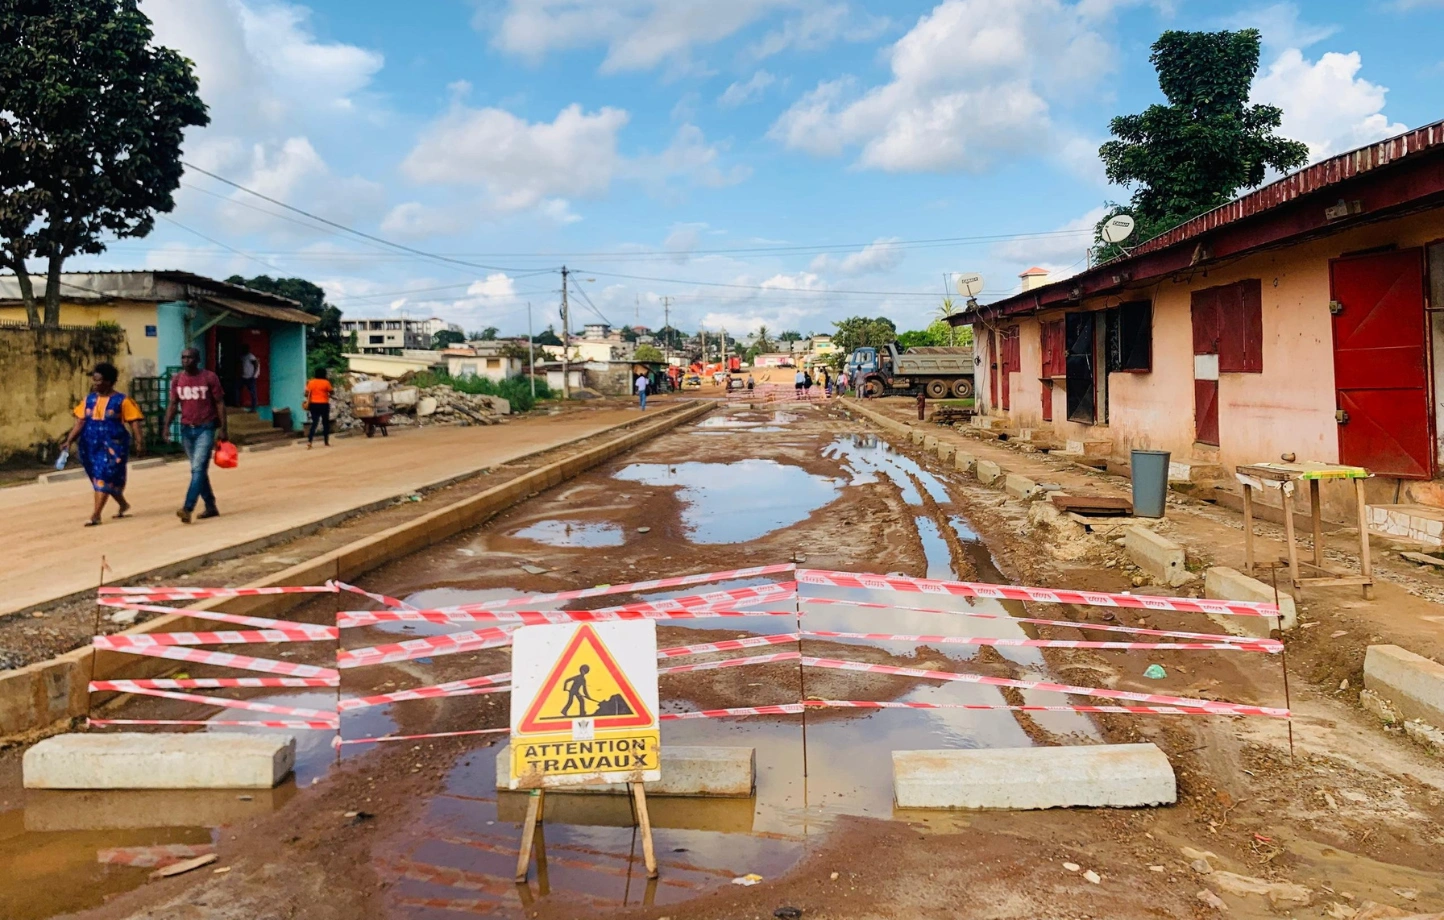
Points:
point(813, 486)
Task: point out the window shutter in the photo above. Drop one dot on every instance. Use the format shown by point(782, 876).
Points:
point(1240, 327)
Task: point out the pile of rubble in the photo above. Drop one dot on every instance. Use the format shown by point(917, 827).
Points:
point(410, 405)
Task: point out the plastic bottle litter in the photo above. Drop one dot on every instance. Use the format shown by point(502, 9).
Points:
point(1155, 672)
point(63, 459)
point(747, 880)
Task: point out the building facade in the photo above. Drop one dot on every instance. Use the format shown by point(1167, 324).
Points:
point(389, 335)
point(1298, 320)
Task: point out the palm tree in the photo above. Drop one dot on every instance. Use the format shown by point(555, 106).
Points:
point(945, 309)
point(762, 341)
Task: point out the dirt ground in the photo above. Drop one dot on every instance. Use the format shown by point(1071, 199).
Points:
point(1353, 816)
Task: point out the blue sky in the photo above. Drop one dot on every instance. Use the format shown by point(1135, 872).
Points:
point(777, 162)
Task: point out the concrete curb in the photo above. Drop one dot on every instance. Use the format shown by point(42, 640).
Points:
point(35, 697)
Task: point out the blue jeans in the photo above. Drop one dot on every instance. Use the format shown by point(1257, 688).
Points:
point(248, 385)
point(642, 395)
point(199, 441)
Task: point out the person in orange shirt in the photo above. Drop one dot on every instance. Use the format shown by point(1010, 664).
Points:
point(101, 423)
point(318, 400)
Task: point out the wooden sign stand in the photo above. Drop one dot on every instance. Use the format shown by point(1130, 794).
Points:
point(531, 827)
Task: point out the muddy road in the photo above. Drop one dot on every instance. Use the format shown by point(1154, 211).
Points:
point(416, 829)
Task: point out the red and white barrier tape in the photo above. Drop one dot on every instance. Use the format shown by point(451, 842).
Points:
point(427, 647)
point(283, 723)
point(187, 594)
point(378, 598)
point(228, 660)
point(130, 686)
point(640, 586)
point(205, 683)
point(1044, 643)
point(730, 663)
point(426, 693)
point(726, 645)
point(1270, 644)
point(781, 709)
point(1042, 595)
point(1221, 708)
point(673, 608)
point(123, 642)
point(477, 731)
point(987, 707)
point(320, 632)
point(163, 854)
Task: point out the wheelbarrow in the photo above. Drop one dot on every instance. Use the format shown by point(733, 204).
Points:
point(379, 422)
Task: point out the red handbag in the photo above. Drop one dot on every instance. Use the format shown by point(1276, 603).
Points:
point(227, 456)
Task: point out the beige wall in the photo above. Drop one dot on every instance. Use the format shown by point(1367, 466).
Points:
point(138, 356)
point(44, 374)
point(1289, 408)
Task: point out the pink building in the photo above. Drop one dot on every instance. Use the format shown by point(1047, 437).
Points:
point(1297, 319)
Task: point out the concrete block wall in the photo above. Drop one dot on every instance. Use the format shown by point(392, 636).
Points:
point(1158, 556)
point(1407, 522)
point(1412, 684)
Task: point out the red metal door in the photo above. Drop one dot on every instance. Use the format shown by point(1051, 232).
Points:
point(260, 342)
point(1381, 376)
point(1012, 361)
point(1207, 321)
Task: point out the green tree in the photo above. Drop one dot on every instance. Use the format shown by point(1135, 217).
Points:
point(649, 353)
point(628, 334)
point(547, 336)
point(671, 337)
point(860, 332)
point(1197, 151)
point(790, 335)
point(92, 117)
point(446, 338)
point(325, 345)
point(762, 342)
point(488, 334)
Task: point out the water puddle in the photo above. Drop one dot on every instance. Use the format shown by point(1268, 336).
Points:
point(736, 502)
point(865, 458)
point(570, 534)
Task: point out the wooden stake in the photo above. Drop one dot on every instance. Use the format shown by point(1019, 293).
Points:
point(528, 833)
point(1288, 500)
point(1248, 529)
point(649, 855)
point(1316, 509)
point(1366, 568)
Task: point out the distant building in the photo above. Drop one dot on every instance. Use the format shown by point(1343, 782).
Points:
point(822, 346)
point(489, 359)
point(596, 332)
point(436, 324)
point(388, 335)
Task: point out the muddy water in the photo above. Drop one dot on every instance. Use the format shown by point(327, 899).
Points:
point(736, 502)
point(573, 533)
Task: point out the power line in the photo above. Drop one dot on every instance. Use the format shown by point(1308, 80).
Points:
point(171, 220)
point(359, 233)
point(758, 287)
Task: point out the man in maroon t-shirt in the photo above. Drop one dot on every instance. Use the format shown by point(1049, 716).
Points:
point(196, 393)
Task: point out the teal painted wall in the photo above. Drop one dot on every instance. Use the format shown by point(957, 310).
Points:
point(288, 368)
point(170, 321)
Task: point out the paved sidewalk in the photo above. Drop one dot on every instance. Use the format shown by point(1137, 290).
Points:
point(50, 555)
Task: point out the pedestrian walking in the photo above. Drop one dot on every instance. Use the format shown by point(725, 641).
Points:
point(196, 394)
point(750, 383)
point(642, 384)
point(250, 373)
point(799, 381)
point(922, 405)
point(107, 426)
point(318, 401)
point(842, 383)
point(807, 384)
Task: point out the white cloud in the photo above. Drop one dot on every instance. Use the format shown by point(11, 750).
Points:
point(645, 34)
point(291, 170)
point(519, 163)
point(740, 93)
point(1280, 26)
point(682, 240)
point(414, 220)
point(972, 80)
point(497, 284)
point(1062, 247)
point(1325, 103)
point(881, 255)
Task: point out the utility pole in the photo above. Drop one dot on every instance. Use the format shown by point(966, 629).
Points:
point(530, 352)
point(566, 338)
point(667, 329)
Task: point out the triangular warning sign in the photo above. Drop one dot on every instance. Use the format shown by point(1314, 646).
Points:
point(585, 683)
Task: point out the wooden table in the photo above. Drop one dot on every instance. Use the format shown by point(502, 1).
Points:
point(1287, 476)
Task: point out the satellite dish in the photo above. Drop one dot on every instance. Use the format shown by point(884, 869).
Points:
point(1117, 229)
point(969, 284)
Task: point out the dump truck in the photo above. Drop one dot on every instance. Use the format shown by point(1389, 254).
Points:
point(937, 372)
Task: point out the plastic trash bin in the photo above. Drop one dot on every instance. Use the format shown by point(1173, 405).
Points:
point(1150, 482)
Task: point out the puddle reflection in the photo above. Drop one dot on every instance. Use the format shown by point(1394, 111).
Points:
point(736, 502)
point(573, 533)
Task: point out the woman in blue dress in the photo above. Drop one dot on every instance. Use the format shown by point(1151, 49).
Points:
point(101, 424)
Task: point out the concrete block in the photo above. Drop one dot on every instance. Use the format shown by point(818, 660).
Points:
point(989, 422)
point(1195, 471)
point(916, 436)
point(987, 471)
point(964, 461)
point(132, 760)
point(930, 442)
point(1103, 775)
point(1091, 448)
point(946, 451)
point(686, 770)
point(1020, 486)
point(1159, 556)
point(1223, 583)
point(1413, 684)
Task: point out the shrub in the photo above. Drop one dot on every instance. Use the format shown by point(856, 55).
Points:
point(515, 390)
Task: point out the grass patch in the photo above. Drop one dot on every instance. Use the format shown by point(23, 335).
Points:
point(515, 390)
